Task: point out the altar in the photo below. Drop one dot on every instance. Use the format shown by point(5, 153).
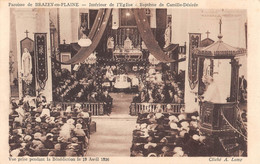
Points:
point(127, 52)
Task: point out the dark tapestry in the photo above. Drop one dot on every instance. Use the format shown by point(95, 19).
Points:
point(194, 41)
point(41, 58)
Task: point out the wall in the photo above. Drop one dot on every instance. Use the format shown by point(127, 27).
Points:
point(13, 47)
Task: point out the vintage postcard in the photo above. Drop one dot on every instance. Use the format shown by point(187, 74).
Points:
point(129, 81)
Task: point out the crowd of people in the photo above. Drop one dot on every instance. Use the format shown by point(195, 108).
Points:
point(161, 88)
point(159, 134)
point(75, 86)
point(81, 86)
point(41, 129)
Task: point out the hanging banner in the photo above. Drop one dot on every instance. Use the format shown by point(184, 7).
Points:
point(194, 42)
point(41, 58)
point(28, 67)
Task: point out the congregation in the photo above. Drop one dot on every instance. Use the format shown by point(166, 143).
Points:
point(168, 134)
point(47, 130)
point(170, 89)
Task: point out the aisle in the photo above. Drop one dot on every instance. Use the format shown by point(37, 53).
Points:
point(114, 132)
point(121, 103)
point(113, 137)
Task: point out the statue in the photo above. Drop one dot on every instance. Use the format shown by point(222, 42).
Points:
point(26, 67)
point(167, 35)
point(128, 44)
point(110, 43)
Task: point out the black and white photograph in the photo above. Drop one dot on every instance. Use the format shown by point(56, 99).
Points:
point(128, 82)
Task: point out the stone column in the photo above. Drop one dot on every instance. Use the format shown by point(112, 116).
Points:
point(75, 23)
point(153, 18)
point(43, 26)
point(115, 18)
point(234, 89)
point(25, 19)
point(65, 25)
point(193, 23)
point(13, 47)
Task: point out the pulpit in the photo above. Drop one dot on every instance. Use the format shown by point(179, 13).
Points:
point(216, 118)
point(219, 120)
point(220, 117)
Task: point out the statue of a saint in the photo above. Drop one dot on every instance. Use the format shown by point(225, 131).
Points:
point(128, 43)
point(110, 43)
point(167, 35)
point(26, 66)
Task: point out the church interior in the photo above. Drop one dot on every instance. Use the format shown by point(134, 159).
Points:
point(128, 82)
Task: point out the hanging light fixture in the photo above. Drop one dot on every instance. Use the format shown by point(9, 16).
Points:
point(84, 41)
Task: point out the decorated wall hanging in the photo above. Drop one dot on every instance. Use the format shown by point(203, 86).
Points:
point(194, 40)
point(41, 58)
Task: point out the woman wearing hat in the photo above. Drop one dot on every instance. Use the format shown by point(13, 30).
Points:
point(48, 143)
point(66, 129)
point(20, 111)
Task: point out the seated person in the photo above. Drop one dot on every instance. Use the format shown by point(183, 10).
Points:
point(169, 108)
point(48, 143)
point(93, 97)
point(78, 130)
point(45, 112)
point(158, 108)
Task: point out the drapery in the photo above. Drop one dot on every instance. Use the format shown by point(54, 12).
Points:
point(95, 35)
point(148, 37)
point(99, 27)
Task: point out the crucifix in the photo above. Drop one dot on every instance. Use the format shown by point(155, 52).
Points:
point(26, 33)
point(208, 33)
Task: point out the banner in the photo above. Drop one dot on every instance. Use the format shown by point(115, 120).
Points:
point(41, 58)
point(28, 67)
point(194, 41)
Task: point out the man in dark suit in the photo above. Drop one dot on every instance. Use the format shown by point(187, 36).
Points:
point(136, 99)
point(107, 99)
point(92, 98)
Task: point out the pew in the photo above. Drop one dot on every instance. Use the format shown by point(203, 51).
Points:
point(136, 108)
point(95, 109)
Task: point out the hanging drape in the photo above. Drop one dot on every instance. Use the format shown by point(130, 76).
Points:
point(95, 36)
point(99, 27)
point(148, 37)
